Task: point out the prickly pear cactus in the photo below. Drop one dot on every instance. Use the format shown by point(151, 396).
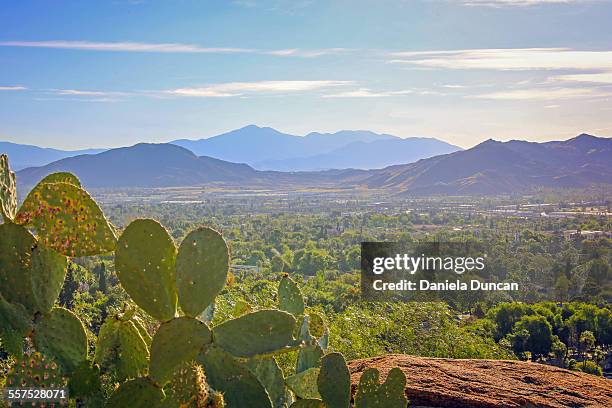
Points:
point(175, 342)
point(290, 297)
point(8, 190)
point(145, 262)
point(240, 387)
point(61, 335)
point(138, 393)
point(16, 244)
point(67, 220)
point(334, 382)
point(85, 381)
point(15, 324)
point(202, 265)
point(36, 371)
point(261, 332)
point(390, 394)
point(188, 389)
point(29, 273)
point(270, 376)
point(48, 274)
point(61, 177)
point(304, 384)
point(309, 357)
point(308, 403)
point(121, 349)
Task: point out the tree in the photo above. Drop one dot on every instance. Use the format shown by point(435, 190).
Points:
point(540, 338)
point(586, 342)
point(559, 350)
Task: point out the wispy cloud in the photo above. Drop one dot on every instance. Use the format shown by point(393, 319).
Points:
point(546, 94)
point(233, 89)
point(507, 59)
point(13, 88)
point(170, 48)
point(367, 93)
point(517, 3)
point(79, 92)
point(296, 52)
point(124, 46)
point(593, 78)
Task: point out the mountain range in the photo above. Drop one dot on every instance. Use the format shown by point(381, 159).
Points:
point(265, 148)
point(23, 156)
point(491, 167)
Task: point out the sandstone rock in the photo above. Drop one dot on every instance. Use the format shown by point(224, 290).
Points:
point(439, 382)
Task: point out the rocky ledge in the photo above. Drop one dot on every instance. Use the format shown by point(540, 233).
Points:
point(440, 382)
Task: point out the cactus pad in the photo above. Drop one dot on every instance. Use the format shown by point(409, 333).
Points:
point(48, 273)
point(15, 324)
point(16, 244)
point(145, 262)
point(175, 342)
point(390, 394)
point(67, 219)
point(188, 389)
point(61, 177)
point(138, 393)
point(304, 384)
point(8, 190)
point(334, 381)
point(122, 349)
point(290, 297)
point(240, 387)
point(261, 332)
point(202, 265)
point(308, 403)
point(36, 371)
point(61, 335)
point(270, 376)
point(85, 381)
point(309, 357)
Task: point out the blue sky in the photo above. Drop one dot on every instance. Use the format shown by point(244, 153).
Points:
point(77, 74)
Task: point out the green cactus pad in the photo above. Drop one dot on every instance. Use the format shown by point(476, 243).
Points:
point(35, 370)
point(270, 376)
point(390, 394)
point(133, 359)
point(240, 387)
point(308, 403)
point(121, 349)
point(15, 324)
point(48, 274)
point(304, 384)
point(138, 393)
point(61, 177)
point(202, 265)
point(61, 335)
point(309, 357)
point(85, 381)
point(261, 332)
point(174, 343)
point(8, 190)
point(316, 325)
point(145, 262)
point(67, 220)
point(142, 330)
point(16, 244)
point(290, 297)
point(334, 381)
point(188, 389)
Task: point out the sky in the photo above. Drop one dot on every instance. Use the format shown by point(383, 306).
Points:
point(78, 74)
